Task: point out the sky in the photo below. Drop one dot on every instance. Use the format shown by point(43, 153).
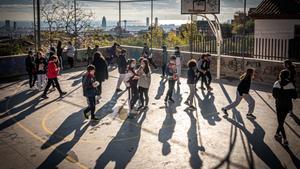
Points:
point(168, 11)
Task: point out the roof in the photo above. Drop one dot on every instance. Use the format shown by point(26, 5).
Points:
point(277, 9)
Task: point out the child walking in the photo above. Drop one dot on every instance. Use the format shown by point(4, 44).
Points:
point(122, 67)
point(144, 83)
point(191, 81)
point(243, 93)
point(131, 79)
point(283, 92)
point(204, 69)
point(178, 64)
point(31, 68)
point(41, 64)
point(172, 78)
point(89, 85)
point(52, 77)
point(164, 61)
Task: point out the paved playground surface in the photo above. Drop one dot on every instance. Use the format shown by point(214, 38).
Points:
point(52, 133)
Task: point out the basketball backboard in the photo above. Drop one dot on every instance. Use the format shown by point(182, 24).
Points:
point(200, 6)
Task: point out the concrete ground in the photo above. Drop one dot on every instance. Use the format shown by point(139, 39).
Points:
point(52, 133)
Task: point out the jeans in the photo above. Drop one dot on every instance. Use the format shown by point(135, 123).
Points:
point(41, 81)
point(133, 96)
point(238, 99)
point(280, 119)
point(120, 80)
point(178, 69)
point(50, 82)
point(163, 69)
point(71, 62)
point(91, 101)
point(32, 79)
point(171, 89)
point(192, 93)
point(206, 79)
point(143, 92)
point(99, 89)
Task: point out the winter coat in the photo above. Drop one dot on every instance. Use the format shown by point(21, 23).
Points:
point(87, 85)
point(101, 70)
point(244, 86)
point(122, 64)
point(145, 79)
point(41, 65)
point(284, 92)
point(52, 70)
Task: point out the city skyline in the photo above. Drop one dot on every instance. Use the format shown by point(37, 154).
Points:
point(167, 11)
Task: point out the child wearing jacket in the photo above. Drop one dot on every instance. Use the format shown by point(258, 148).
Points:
point(41, 67)
point(172, 78)
point(122, 68)
point(131, 79)
point(89, 86)
point(164, 61)
point(191, 81)
point(31, 68)
point(283, 92)
point(144, 83)
point(243, 93)
point(204, 70)
point(52, 73)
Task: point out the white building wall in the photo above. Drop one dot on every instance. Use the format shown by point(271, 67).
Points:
point(272, 36)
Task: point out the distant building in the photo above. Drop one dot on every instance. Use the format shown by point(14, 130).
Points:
point(147, 21)
point(7, 25)
point(239, 18)
point(204, 28)
point(156, 21)
point(103, 22)
point(15, 25)
point(277, 20)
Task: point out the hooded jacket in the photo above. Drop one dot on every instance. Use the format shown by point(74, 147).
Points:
point(283, 92)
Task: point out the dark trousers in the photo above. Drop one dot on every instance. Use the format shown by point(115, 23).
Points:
point(32, 79)
point(91, 101)
point(152, 62)
point(99, 89)
point(71, 62)
point(206, 79)
point(50, 82)
point(163, 69)
point(171, 89)
point(144, 93)
point(133, 96)
point(280, 119)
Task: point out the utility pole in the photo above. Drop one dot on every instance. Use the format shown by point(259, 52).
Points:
point(151, 27)
point(119, 26)
point(244, 33)
point(75, 22)
point(34, 24)
point(38, 24)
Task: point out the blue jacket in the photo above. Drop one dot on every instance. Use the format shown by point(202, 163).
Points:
point(87, 84)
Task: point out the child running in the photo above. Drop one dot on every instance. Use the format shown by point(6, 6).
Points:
point(172, 78)
point(144, 83)
point(243, 92)
point(131, 79)
point(283, 92)
point(52, 77)
point(191, 81)
point(89, 85)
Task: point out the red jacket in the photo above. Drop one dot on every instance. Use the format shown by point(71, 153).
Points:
point(52, 70)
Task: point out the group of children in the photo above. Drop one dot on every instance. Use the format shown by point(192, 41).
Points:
point(44, 70)
point(136, 75)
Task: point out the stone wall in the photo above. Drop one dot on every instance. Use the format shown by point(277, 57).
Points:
point(266, 71)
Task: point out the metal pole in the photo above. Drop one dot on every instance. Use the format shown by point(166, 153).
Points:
point(38, 24)
point(75, 22)
point(191, 37)
point(119, 26)
point(244, 34)
point(34, 24)
point(151, 27)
